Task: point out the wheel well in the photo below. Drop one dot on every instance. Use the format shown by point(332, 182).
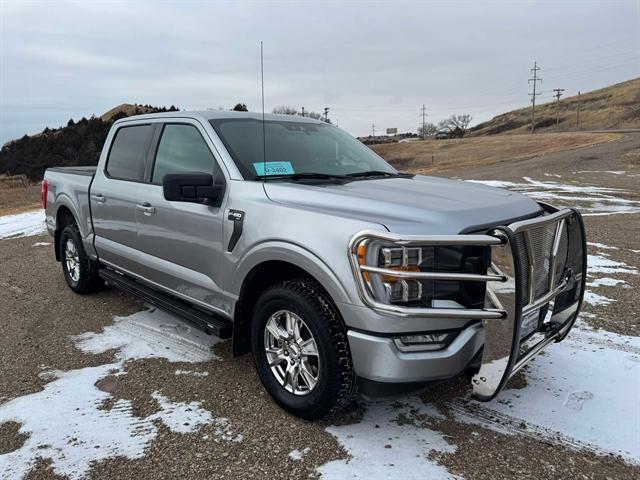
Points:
point(260, 278)
point(64, 217)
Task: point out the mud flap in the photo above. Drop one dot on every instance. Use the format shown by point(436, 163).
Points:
point(531, 321)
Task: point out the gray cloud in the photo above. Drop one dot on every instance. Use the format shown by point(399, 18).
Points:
point(367, 61)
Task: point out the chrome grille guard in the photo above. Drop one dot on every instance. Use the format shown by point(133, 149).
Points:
point(534, 289)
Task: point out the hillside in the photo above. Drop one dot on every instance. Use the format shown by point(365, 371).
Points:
point(613, 107)
point(78, 143)
point(435, 156)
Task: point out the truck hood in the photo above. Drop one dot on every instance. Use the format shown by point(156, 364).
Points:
point(418, 205)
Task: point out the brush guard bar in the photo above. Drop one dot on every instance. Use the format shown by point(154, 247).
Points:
point(535, 287)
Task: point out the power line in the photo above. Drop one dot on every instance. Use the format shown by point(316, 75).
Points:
point(373, 129)
point(533, 95)
point(558, 95)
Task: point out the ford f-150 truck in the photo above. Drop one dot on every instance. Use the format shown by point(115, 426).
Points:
point(337, 272)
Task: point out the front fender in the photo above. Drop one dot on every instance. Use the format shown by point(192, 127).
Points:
point(338, 289)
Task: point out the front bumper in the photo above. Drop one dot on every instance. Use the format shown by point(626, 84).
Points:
point(534, 292)
point(378, 359)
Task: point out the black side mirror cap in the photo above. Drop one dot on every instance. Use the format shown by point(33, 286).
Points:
point(190, 187)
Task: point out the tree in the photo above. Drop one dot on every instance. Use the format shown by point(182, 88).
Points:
point(240, 107)
point(456, 125)
point(285, 110)
point(429, 129)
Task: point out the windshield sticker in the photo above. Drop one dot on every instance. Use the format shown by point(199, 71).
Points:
point(273, 168)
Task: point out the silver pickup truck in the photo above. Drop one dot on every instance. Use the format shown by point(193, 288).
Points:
point(337, 272)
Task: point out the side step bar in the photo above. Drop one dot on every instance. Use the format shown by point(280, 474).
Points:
point(209, 323)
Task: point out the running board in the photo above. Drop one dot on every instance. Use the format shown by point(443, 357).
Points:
point(211, 324)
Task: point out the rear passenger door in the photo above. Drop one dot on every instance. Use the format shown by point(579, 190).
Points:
point(115, 193)
point(180, 243)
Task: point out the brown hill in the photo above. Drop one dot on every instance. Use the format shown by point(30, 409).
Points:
point(127, 110)
point(613, 107)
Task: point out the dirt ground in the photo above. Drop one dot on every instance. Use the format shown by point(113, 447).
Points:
point(40, 319)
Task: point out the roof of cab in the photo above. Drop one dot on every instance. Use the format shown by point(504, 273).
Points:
point(220, 114)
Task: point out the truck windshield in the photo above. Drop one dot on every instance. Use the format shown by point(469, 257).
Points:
point(296, 150)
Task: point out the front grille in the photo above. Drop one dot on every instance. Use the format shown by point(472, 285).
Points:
point(539, 249)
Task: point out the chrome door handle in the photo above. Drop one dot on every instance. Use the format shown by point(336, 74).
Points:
point(146, 208)
point(98, 198)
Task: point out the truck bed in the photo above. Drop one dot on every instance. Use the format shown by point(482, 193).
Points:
point(88, 171)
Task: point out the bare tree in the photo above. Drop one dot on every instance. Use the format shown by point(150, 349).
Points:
point(428, 130)
point(456, 125)
point(285, 110)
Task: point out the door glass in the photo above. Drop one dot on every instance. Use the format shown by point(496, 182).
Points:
point(128, 152)
point(181, 149)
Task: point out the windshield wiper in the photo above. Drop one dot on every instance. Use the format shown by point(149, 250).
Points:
point(372, 173)
point(302, 176)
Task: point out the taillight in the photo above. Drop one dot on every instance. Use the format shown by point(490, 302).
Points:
point(45, 190)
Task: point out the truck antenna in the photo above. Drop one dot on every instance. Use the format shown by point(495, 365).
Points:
point(264, 143)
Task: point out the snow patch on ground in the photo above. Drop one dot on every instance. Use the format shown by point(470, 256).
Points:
point(192, 373)
point(590, 199)
point(602, 263)
point(297, 455)
point(22, 224)
point(41, 244)
point(581, 392)
point(150, 334)
point(67, 422)
point(393, 440)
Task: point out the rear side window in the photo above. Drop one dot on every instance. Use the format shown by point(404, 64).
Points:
point(182, 149)
point(128, 152)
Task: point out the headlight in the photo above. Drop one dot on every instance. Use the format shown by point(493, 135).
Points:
point(391, 282)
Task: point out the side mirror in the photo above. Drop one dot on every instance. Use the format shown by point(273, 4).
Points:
point(190, 187)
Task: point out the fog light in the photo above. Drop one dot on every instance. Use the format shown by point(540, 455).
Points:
point(425, 341)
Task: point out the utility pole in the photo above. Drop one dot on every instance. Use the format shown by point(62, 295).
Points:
point(373, 130)
point(326, 114)
point(424, 121)
point(533, 95)
point(558, 95)
point(578, 114)
point(303, 111)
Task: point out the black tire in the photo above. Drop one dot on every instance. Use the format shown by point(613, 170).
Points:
point(86, 275)
point(336, 382)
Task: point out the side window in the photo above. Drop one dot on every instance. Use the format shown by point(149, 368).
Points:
point(128, 153)
point(181, 149)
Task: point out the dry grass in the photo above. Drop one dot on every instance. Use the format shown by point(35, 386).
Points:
point(440, 155)
point(614, 107)
point(17, 200)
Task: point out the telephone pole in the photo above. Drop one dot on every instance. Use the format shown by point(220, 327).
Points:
point(373, 130)
point(533, 95)
point(578, 114)
point(424, 121)
point(303, 111)
point(558, 95)
point(326, 114)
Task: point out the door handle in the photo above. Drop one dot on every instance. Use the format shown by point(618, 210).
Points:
point(98, 198)
point(146, 208)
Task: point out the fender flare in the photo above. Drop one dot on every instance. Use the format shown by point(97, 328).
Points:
point(278, 250)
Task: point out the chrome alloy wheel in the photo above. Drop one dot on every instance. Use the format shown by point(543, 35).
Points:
point(292, 353)
point(72, 260)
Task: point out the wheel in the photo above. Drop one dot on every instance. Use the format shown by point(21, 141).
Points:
point(301, 350)
point(80, 272)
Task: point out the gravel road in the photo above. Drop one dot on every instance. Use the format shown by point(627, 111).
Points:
point(90, 388)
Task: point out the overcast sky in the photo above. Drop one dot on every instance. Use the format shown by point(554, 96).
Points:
point(367, 61)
